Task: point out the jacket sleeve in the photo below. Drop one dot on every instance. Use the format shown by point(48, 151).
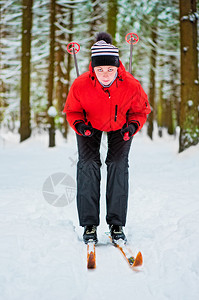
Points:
point(73, 109)
point(140, 108)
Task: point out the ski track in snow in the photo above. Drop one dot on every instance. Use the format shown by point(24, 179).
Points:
point(42, 255)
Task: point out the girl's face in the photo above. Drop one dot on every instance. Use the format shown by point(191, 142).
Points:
point(105, 74)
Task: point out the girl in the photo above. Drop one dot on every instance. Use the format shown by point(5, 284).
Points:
point(106, 98)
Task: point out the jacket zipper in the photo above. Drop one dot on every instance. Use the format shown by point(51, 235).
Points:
point(107, 91)
point(115, 113)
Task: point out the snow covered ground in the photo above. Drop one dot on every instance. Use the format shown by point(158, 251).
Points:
point(42, 256)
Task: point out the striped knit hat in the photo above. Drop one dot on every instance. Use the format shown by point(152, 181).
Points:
point(103, 53)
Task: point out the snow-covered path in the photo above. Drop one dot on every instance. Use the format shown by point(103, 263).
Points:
point(42, 256)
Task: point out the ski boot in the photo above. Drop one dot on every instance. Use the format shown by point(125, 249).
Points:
point(117, 233)
point(90, 234)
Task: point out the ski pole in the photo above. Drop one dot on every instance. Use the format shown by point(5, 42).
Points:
point(132, 39)
point(131, 55)
point(126, 134)
point(73, 48)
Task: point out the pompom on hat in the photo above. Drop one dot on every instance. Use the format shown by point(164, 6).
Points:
point(103, 53)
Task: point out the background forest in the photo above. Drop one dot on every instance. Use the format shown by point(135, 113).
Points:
point(36, 71)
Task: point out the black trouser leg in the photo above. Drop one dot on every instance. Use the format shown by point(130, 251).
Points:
point(88, 179)
point(117, 178)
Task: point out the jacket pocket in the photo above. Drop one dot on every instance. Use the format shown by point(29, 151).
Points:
point(115, 113)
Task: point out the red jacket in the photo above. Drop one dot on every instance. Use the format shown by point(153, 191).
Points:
point(107, 109)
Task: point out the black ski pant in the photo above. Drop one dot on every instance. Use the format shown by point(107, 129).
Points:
point(89, 176)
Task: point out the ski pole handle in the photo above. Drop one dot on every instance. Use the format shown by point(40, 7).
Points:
point(87, 132)
point(132, 38)
point(126, 136)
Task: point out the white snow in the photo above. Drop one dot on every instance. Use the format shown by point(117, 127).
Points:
point(184, 18)
point(42, 255)
point(190, 103)
point(192, 17)
point(185, 49)
point(52, 112)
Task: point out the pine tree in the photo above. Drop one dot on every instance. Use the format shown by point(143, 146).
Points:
point(61, 70)
point(152, 84)
point(39, 64)
point(51, 110)
point(189, 124)
point(10, 61)
point(25, 130)
point(97, 19)
point(112, 18)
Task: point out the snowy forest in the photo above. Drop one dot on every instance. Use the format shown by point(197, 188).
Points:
point(37, 71)
point(42, 253)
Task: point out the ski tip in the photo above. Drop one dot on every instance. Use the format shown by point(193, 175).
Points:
point(91, 263)
point(138, 260)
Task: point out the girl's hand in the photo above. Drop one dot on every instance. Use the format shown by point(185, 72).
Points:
point(128, 131)
point(85, 130)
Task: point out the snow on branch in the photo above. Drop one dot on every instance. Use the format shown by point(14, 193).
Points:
point(63, 29)
point(6, 5)
point(192, 17)
point(40, 4)
point(70, 4)
point(97, 2)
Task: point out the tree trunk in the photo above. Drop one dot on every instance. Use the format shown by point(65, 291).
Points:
point(96, 20)
point(69, 63)
point(173, 101)
point(25, 129)
point(112, 18)
point(51, 120)
point(160, 108)
point(161, 100)
point(189, 124)
point(170, 128)
point(152, 81)
point(61, 74)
